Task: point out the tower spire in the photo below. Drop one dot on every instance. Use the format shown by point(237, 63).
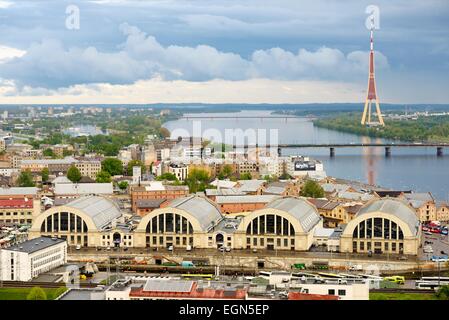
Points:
point(371, 93)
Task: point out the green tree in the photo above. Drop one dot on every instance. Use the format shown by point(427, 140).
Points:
point(226, 172)
point(135, 163)
point(285, 176)
point(113, 166)
point(74, 174)
point(167, 176)
point(197, 180)
point(37, 293)
point(48, 153)
point(312, 189)
point(25, 179)
point(245, 176)
point(443, 293)
point(45, 174)
point(123, 185)
point(103, 177)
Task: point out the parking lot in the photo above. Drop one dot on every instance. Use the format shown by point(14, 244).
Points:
point(439, 244)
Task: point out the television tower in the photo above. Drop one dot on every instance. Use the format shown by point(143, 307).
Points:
point(372, 94)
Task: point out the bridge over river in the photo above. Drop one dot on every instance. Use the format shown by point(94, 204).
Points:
point(332, 146)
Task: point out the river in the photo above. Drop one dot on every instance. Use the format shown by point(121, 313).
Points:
point(416, 168)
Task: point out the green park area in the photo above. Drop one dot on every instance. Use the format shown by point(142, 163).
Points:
point(403, 296)
point(34, 293)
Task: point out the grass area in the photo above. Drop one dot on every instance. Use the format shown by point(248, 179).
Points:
point(21, 293)
point(402, 296)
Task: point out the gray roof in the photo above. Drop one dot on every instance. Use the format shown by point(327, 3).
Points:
point(276, 188)
point(224, 192)
point(158, 285)
point(250, 185)
point(246, 199)
point(228, 225)
point(419, 196)
point(300, 209)
point(204, 210)
point(101, 210)
point(395, 207)
point(18, 191)
point(36, 244)
point(83, 188)
point(150, 203)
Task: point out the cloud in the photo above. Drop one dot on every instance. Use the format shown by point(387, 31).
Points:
point(49, 64)
point(8, 53)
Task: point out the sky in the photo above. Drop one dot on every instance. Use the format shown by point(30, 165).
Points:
point(221, 51)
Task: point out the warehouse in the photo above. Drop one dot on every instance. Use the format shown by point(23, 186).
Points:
point(287, 223)
point(83, 221)
point(383, 226)
point(184, 221)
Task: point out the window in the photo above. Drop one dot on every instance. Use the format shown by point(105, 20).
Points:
point(331, 292)
point(377, 227)
point(341, 292)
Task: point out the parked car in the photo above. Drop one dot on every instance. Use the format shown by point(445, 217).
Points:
point(78, 247)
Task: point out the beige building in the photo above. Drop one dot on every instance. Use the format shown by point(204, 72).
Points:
point(424, 205)
point(89, 168)
point(19, 210)
point(83, 221)
point(443, 211)
point(386, 225)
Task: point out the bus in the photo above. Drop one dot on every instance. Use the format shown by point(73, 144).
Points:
point(308, 276)
point(419, 284)
point(189, 276)
point(265, 273)
point(435, 279)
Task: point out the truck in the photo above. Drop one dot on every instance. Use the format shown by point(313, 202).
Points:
point(356, 267)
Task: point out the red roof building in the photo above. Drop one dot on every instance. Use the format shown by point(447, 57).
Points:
point(308, 296)
point(162, 289)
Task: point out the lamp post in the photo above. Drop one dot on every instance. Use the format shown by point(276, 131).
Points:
point(438, 272)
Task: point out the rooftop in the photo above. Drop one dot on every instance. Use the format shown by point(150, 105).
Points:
point(83, 188)
point(150, 203)
point(204, 210)
point(16, 203)
point(101, 210)
point(395, 207)
point(34, 245)
point(301, 209)
point(246, 199)
point(18, 191)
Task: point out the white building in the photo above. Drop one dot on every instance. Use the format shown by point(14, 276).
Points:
point(353, 291)
point(27, 260)
point(179, 170)
point(302, 166)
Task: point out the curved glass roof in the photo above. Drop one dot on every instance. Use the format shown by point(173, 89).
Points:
point(301, 209)
point(395, 207)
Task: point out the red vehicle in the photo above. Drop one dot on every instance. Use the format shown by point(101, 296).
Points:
point(425, 228)
point(435, 230)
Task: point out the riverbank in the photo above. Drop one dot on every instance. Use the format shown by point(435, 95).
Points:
point(424, 129)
